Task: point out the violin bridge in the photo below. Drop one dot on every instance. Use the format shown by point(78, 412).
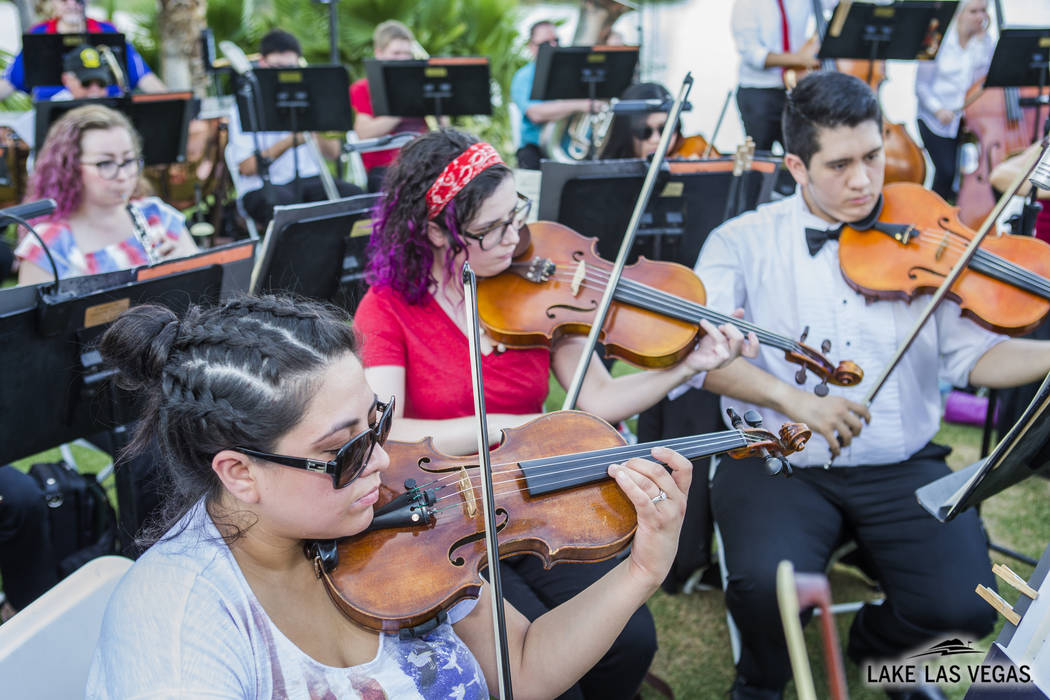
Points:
point(578, 277)
point(470, 501)
point(941, 248)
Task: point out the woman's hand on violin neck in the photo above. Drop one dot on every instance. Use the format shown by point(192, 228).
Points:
point(659, 499)
point(720, 345)
point(838, 419)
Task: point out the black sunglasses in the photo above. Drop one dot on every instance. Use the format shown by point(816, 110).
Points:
point(643, 132)
point(351, 458)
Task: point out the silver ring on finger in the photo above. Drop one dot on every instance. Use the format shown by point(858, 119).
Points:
point(659, 497)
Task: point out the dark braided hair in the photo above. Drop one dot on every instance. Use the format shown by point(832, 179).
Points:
point(399, 251)
point(240, 373)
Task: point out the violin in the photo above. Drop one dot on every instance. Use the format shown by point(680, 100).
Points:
point(553, 498)
point(915, 241)
point(695, 146)
point(553, 285)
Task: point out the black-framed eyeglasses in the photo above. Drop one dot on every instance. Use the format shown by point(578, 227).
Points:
point(644, 132)
point(487, 237)
point(95, 82)
point(351, 458)
point(108, 169)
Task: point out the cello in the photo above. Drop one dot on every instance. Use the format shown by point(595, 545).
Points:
point(904, 158)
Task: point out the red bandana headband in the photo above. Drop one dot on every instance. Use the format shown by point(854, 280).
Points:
point(457, 174)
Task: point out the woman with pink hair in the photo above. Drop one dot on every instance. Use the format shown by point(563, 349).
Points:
point(91, 165)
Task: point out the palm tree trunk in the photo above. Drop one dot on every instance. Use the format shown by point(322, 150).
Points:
point(181, 22)
point(26, 16)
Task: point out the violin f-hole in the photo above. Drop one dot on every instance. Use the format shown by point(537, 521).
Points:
point(502, 519)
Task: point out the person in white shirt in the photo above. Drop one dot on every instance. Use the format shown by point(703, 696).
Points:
point(775, 263)
point(941, 85)
point(770, 36)
point(286, 154)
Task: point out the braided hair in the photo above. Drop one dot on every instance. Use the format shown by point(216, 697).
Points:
point(399, 251)
point(241, 373)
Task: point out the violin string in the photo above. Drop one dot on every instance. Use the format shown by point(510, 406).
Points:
point(595, 462)
point(1007, 271)
point(642, 295)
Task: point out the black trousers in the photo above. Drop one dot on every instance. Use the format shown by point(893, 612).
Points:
point(760, 110)
point(944, 153)
point(927, 569)
point(309, 189)
point(534, 590)
point(27, 562)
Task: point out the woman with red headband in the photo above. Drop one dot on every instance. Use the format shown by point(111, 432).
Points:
point(449, 198)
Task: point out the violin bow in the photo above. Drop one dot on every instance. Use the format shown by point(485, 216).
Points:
point(953, 274)
point(572, 394)
point(499, 622)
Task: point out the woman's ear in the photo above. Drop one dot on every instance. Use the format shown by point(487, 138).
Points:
point(237, 474)
point(436, 234)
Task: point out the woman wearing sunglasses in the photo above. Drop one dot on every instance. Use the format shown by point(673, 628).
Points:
point(91, 165)
point(272, 436)
point(638, 135)
point(447, 199)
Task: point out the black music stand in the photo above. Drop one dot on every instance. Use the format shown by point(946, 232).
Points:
point(442, 87)
point(317, 250)
point(1024, 451)
point(904, 30)
point(313, 98)
point(162, 120)
point(596, 199)
point(42, 54)
point(583, 72)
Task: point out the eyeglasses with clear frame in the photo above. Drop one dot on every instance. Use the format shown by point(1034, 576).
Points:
point(486, 238)
point(108, 169)
point(350, 460)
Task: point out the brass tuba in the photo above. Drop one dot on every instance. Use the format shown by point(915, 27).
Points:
point(569, 139)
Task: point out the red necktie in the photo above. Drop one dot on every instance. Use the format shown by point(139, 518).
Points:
point(785, 36)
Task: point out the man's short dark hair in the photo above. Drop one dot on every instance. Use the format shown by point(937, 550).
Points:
point(279, 41)
point(828, 100)
point(537, 25)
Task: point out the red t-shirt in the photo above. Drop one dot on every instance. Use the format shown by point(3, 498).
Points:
point(434, 352)
point(361, 101)
point(1042, 222)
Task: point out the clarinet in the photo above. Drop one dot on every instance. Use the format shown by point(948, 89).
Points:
point(141, 226)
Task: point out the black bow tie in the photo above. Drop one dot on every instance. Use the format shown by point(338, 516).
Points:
point(816, 238)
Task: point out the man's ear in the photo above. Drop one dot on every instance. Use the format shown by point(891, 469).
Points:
point(237, 473)
point(70, 82)
point(797, 168)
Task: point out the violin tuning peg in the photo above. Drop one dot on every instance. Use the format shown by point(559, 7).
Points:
point(825, 347)
point(787, 467)
point(753, 418)
point(821, 389)
point(773, 466)
point(805, 333)
point(800, 376)
point(734, 418)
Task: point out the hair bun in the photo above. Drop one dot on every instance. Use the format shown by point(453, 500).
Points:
point(138, 344)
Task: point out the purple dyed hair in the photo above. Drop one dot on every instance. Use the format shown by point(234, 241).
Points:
point(57, 170)
point(400, 254)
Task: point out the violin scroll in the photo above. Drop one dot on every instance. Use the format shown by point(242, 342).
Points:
point(793, 438)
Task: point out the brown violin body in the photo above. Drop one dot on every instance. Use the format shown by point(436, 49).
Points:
point(396, 577)
point(904, 158)
point(1001, 128)
point(1005, 288)
point(554, 287)
point(694, 147)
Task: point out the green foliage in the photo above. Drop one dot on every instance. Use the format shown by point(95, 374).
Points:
point(17, 101)
point(443, 27)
